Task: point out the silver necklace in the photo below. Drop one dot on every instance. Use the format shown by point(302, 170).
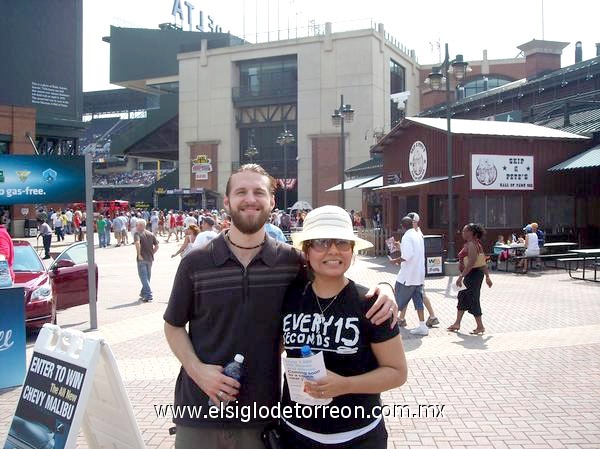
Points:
point(323, 310)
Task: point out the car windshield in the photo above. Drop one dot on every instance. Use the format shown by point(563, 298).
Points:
point(26, 259)
point(76, 253)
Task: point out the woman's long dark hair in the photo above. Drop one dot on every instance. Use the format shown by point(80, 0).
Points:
point(477, 229)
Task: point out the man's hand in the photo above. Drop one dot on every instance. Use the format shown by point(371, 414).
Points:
point(139, 258)
point(385, 306)
point(396, 261)
point(459, 282)
point(331, 386)
point(213, 382)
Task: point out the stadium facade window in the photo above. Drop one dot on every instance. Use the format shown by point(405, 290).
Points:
point(270, 153)
point(269, 76)
point(483, 83)
point(397, 85)
point(552, 210)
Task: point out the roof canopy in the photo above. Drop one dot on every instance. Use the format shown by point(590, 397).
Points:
point(480, 128)
point(587, 159)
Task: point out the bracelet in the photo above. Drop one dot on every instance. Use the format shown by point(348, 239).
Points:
point(387, 283)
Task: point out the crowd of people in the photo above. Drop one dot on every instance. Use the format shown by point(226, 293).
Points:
point(135, 177)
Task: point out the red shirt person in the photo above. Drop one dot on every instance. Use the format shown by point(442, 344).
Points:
point(7, 249)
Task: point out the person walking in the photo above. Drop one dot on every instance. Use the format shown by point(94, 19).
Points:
point(190, 233)
point(45, 231)
point(229, 293)
point(154, 222)
point(108, 229)
point(57, 222)
point(432, 320)
point(146, 246)
point(411, 277)
point(207, 232)
point(101, 228)
point(362, 359)
point(473, 268)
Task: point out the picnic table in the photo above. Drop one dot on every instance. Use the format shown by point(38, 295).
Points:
point(585, 256)
point(555, 251)
point(558, 246)
point(514, 250)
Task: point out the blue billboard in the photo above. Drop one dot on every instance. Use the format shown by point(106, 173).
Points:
point(12, 337)
point(41, 179)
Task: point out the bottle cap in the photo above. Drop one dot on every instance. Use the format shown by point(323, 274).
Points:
point(305, 351)
point(239, 358)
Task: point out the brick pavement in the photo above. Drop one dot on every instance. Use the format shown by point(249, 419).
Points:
point(530, 382)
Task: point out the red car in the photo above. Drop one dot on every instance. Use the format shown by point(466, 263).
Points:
point(62, 285)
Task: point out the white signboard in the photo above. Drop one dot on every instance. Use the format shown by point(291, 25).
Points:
point(501, 172)
point(73, 384)
point(434, 265)
point(417, 161)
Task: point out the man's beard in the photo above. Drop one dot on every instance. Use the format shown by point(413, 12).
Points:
point(248, 225)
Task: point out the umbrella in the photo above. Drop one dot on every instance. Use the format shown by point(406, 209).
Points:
point(301, 205)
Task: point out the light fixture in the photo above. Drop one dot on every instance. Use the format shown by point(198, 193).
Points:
point(348, 113)
point(459, 67)
point(435, 78)
point(336, 118)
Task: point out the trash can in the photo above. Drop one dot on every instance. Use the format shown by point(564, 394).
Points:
point(31, 228)
point(434, 255)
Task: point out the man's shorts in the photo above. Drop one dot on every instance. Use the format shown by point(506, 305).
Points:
point(404, 293)
point(179, 228)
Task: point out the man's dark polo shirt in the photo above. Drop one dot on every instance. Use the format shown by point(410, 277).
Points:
point(209, 291)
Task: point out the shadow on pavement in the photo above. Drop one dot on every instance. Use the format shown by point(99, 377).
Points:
point(472, 341)
point(137, 302)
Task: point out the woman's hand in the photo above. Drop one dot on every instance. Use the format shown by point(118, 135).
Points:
point(488, 281)
point(459, 282)
point(331, 386)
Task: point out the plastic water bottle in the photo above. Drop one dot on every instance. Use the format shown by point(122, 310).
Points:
point(305, 351)
point(233, 369)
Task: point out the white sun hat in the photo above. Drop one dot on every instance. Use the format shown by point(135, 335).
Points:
point(328, 222)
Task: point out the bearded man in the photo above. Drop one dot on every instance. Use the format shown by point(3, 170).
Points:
point(230, 294)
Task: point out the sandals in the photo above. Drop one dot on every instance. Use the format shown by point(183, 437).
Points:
point(453, 328)
point(477, 331)
point(402, 322)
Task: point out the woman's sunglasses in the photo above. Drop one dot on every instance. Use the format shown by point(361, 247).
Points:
point(324, 244)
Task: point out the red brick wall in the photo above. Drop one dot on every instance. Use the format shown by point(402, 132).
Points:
point(542, 62)
point(325, 170)
point(17, 122)
point(210, 149)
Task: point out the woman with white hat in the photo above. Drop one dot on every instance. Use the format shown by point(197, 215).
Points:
point(328, 314)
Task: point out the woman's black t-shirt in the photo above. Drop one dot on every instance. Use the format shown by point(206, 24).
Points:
point(345, 338)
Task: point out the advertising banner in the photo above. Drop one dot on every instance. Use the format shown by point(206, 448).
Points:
point(47, 403)
point(501, 172)
point(12, 337)
point(41, 179)
point(72, 384)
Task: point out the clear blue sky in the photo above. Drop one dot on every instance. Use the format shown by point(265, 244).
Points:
point(469, 26)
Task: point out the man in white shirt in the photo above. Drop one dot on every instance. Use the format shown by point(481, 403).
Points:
point(411, 278)
point(189, 220)
point(207, 234)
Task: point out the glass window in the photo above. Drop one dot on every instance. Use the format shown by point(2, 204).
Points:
point(27, 260)
point(483, 83)
point(496, 211)
point(552, 211)
point(76, 253)
point(397, 84)
point(3, 147)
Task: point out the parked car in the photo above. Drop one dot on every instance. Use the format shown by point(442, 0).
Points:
point(62, 285)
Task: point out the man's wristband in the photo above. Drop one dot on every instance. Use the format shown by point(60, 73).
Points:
point(387, 283)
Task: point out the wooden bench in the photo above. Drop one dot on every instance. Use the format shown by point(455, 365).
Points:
point(555, 258)
point(519, 258)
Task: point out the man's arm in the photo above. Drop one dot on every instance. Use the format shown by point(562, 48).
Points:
point(209, 378)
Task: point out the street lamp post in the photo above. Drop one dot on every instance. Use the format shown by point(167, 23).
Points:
point(345, 113)
point(284, 139)
point(435, 79)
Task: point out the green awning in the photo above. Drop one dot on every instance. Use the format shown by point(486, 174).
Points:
point(587, 159)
